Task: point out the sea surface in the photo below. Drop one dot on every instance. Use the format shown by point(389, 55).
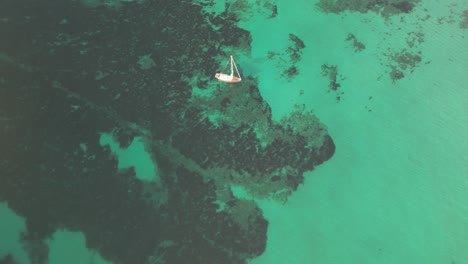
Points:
point(396, 188)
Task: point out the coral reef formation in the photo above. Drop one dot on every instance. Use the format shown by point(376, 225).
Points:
point(464, 22)
point(135, 70)
point(358, 46)
point(383, 7)
point(289, 58)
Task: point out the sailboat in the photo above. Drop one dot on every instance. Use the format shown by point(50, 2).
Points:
point(229, 78)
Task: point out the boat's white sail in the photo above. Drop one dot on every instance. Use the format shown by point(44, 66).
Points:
point(229, 78)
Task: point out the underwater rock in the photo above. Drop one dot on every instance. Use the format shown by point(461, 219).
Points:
point(382, 7)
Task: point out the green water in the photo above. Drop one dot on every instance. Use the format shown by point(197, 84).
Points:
point(396, 189)
point(64, 246)
point(11, 227)
point(134, 156)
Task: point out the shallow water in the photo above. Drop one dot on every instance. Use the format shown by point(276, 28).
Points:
point(394, 191)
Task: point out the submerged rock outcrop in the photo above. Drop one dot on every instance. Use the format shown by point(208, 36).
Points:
point(383, 7)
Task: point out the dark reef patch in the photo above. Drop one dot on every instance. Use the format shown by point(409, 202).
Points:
point(404, 6)
point(358, 46)
point(289, 58)
point(69, 73)
point(8, 259)
point(331, 71)
point(403, 61)
point(464, 21)
point(383, 7)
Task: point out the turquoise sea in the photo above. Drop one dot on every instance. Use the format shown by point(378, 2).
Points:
point(388, 81)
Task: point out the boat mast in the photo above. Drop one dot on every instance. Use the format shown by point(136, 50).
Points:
point(232, 70)
point(237, 70)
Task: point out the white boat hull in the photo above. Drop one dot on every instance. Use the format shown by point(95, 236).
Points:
point(227, 78)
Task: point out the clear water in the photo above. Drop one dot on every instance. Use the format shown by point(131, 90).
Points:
point(396, 189)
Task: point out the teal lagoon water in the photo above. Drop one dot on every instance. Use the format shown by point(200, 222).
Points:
point(395, 190)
